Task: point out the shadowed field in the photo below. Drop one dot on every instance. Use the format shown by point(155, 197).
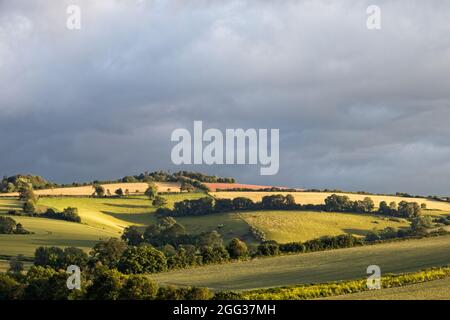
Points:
point(317, 267)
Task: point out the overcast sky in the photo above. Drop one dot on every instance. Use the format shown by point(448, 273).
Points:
point(357, 109)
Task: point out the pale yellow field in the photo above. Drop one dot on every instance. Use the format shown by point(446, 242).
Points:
point(291, 226)
point(135, 187)
point(319, 198)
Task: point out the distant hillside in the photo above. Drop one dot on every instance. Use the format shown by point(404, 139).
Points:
point(196, 179)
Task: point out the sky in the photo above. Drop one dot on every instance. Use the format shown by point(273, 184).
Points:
point(357, 109)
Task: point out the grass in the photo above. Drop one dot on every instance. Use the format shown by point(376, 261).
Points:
point(316, 267)
point(106, 217)
point(290, 226)
point(48, 232)
point(114, 213)
point(319, 198)
point(431, 290)
point(101, 219)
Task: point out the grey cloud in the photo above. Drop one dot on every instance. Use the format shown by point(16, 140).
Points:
point(356, 109)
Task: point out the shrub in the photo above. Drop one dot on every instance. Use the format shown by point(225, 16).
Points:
point(237, 249)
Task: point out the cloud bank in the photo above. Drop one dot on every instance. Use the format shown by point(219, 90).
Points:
point(357, 109)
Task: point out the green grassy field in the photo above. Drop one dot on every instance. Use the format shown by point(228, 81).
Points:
point(114, 213)
point(48, 232)
point(101, 219)
point(431, 290)
point(317, 267)
point(289, 226)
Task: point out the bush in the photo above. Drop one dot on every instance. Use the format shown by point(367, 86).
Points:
point(237, 249)
point(268, 248)
point(68, 214)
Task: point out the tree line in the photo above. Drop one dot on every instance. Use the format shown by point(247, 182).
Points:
point(333, 203)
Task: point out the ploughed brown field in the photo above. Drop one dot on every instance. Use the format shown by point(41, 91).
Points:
point(133, 187)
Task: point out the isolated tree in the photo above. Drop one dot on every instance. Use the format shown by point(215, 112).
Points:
point(237, 249)
point(99, 190)
point(383, 208)
point(16, 265)
point(29, 207)
point(212, 239)
point(119, 192)
point(159, 202)
point(152, 191)
point(420, 223)
point(26, 193)
point(368, 204)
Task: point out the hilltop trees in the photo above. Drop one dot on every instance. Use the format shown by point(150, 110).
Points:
point(119, 192)
point(99, 190)
point(159, 202)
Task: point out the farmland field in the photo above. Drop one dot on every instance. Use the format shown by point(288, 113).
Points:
point(114, 213)
point(431, 290)
point(289, 226)
point(102, 218)
point(319, 198)
point(316, 267)
point(48, 232)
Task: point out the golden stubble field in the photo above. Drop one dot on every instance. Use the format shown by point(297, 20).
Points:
point(319, 198)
